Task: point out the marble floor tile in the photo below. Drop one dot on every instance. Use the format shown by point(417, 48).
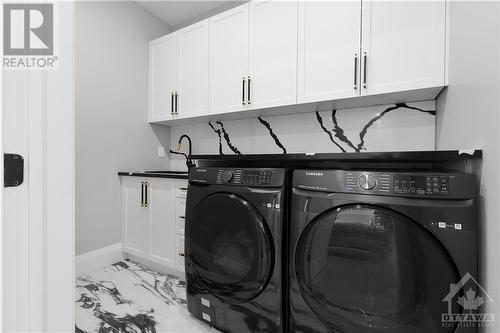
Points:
point(127, 297)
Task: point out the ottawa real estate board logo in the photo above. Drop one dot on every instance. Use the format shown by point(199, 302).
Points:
point(29, 33)
point(473, 300)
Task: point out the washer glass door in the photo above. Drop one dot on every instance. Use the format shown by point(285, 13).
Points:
point(364, 268)
point(230, 247)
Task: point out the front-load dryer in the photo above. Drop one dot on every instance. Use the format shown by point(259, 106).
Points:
point(383, 252)
point(233, 248)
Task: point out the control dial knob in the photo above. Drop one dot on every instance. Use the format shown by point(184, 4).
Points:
point(367, 182)
point(227, 176)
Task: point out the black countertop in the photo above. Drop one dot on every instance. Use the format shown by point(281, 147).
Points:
point(407, 156)
point(156, 174)
point(412, 159)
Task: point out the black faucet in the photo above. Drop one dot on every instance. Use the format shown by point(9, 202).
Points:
point(189, 161)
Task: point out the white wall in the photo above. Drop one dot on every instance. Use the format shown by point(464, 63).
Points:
point(467, 117)
point(111, 106)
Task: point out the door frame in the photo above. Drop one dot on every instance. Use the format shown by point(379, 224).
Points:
point(46, 246)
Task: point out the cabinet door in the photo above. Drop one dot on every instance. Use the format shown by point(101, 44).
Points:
point(180, 254)
point(133, 217)
point(161, 198)
point(329, 48)
point(181, 187)
point(273, 53)
point(163, 76)
point(180, 215)
point(404, 43)
point(228, 45)
point(193, 70)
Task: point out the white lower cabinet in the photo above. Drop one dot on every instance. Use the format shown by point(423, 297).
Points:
point(133, 216)
point(180, 214)
point(180, 253)
point(153, 211)
point(160, 208)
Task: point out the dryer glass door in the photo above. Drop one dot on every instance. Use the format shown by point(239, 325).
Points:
point(364, 268)
point(230, 247)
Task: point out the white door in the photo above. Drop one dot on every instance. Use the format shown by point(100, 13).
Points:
point(37, 227)
point(16, 204)
point(161, 221)
point(134, 215)
point(329, 50)
point(403, 45)
point(228, 60)
point(192, 96)
point(273, 53)
point(163, 77)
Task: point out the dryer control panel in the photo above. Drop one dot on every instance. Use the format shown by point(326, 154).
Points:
point(403, 184)
point(252, 177)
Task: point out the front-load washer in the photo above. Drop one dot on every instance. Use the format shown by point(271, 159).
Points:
point(233, 247)
point(382, 252)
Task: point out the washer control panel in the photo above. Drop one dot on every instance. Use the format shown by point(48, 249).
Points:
point(422, 185)
point(238, 176)
point(364, 181)
point(400, 183)
point(439, 185)
point(249, 177)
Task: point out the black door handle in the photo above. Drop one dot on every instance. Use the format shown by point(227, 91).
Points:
point(356, 71)
point(142, 194)
point(248, 94)
point(176, 105)
point(172, 104)
point(364, 69)
point(146, 194)
point(13, 170)
point(243, 92)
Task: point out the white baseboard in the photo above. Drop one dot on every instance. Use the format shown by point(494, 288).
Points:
point(93, 260)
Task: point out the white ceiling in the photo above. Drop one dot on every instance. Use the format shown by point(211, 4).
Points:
point(177, 12)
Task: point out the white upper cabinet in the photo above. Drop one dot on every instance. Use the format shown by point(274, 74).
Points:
point(162, 76)
point(273, 53)
point(404, 43)
point(192, 96)
point(328, 50)
point(228, 59)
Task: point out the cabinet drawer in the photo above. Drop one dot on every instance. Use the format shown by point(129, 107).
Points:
point(180, 215)
point(181, 187)
point(180, 253)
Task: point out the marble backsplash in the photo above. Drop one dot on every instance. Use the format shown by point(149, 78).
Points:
point(394, 127)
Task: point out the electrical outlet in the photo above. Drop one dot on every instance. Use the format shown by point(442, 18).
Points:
point(161, 152)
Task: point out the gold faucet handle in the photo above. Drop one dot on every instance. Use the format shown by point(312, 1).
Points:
point(178, 146)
